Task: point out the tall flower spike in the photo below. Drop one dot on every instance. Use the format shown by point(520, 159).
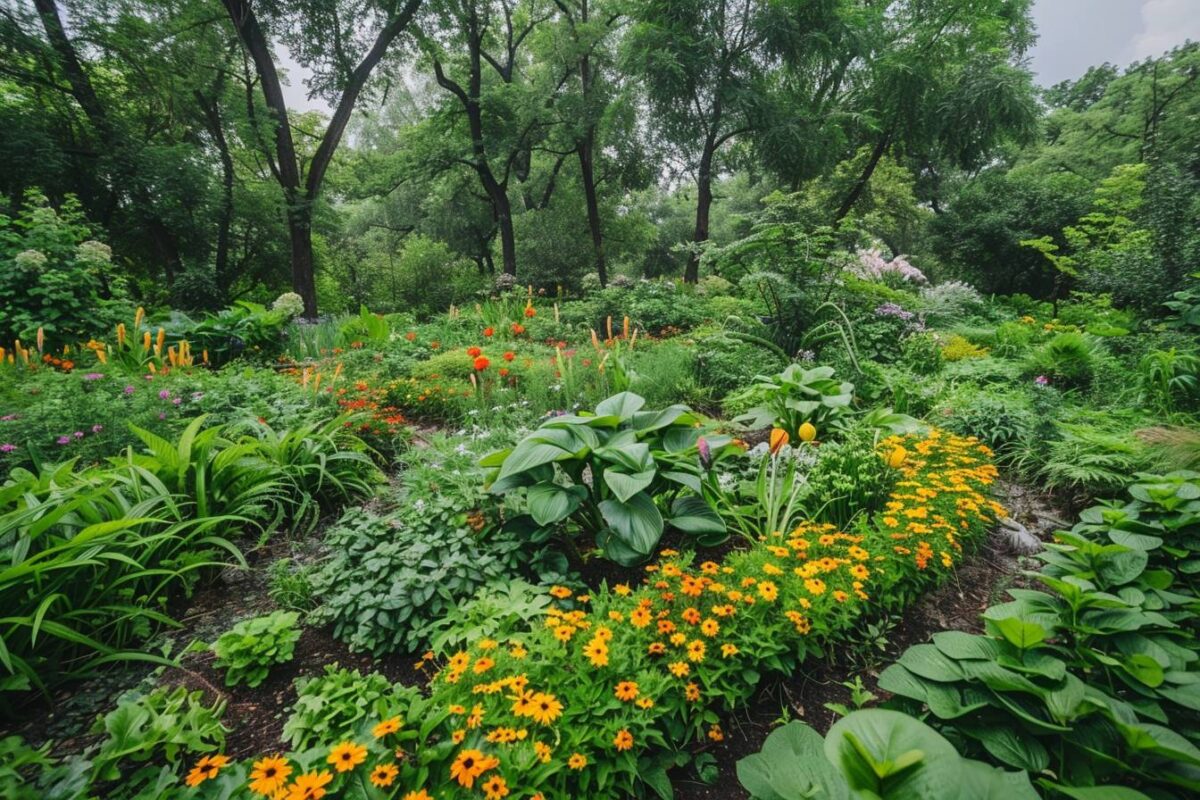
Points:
point(779, 437)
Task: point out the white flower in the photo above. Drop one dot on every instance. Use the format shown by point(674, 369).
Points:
point(93, 251)
point(290, 303)
point(30, 259)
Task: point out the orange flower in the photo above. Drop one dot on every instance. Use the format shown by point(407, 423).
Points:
point(489, 332)
point(473, 351)
point(626, 691)
point(518, 328)
point(481, 363)
point(206, 769)
point(346, 756)
point(469, 765)
point(779, 437)
point(529, 312)
point(384, 775)
point(420, 794)
point(309, 786)
point(384, 728)
point(495, 788)
point(269, 775)
point(509, 355)
point(577, 761)
point(623, 740)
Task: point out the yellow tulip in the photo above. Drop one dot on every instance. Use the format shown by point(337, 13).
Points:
point(807, 432)
point(779, 437)
point(896, 457)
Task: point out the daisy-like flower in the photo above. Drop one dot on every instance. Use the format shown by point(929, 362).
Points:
point(679, 669)
point(420, 794)
point(596, 652)
point(384, 775)
point(386, 727)
point(495, 788)
point(206, 769)
point(626, 691)
point(623, 740)
point(695, 650)
point(545, 708)
point(577, 761)
point(346, 756)
point(469, 765)
point(269, 775)
point(310, 786)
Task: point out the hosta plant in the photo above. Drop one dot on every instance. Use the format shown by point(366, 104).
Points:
point(799, 395)
point(619, 474)
point(248, 650)
point(872, 754)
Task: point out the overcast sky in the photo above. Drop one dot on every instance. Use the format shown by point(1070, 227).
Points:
point(1072, 36)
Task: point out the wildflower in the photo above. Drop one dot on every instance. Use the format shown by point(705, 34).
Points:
point(545, 708)
point(705, 452)
point(64, 440)
point(692, 693)
point(420, 794)
point(715, 733)
point(489, 332)
point(7, 447)
point(206, 769)
point(695, 650)
point(710, 627)
point(309, 786)
point(384, 775)
point(623, 740)
point(509, 355)
point(129, 390)
point(577, 761)
point(469, 765)
point(626, 691)
point(1041, 380)
point(93, 376)
point(164, 394)
point(482, 665)
point(495, 788)
point(728, 650)
point(481, 363)
point(411, 336)
point(768, 591)
point(269, 775)
point(387, 726)
point(474, 352)
point(779, 437)
point(561, 592)
point(597, 653)
point(807, 432)
point(346, 756)
point(97, 428)
point(679, 669)
point(530, 313)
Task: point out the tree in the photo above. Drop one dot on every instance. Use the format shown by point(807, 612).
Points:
point(704, 66)
point(328, 33)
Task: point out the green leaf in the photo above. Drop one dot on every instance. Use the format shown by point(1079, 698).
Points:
point(625, 486)
point(1020, 633)
point(692, 515)
point(792, 764)
point(623, 405)
point(637, 522)
point(550, 503)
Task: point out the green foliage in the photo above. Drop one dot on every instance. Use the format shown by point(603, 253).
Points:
point(640, 463)
point(1068, 360)
point(55, 276)
point(170, 725)
point(799, 395)
point(343, 704)
point(1090, 677)
point(498, 610)
point(389, 580)
point(244, 330)
point(995, 418)
point(1170, 379)
point(248, 650)
point(871, 753)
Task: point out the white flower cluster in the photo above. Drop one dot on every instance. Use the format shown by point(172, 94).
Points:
point(290, 304)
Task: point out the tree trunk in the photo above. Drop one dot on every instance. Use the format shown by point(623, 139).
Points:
point(508, 243)
point(703, 206)
point(212, 117)
point(303, 279)
point(861, 184)
point(587, 168)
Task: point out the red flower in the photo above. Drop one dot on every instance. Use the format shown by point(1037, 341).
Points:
point(411, 336)
point(481, 362)
point(488, 331)
point(504, 372)
point(510, 355)
point(518, 328)
point(529, 312)
point(473, 352)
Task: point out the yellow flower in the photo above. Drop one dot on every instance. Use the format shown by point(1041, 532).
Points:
point(710, 627)
point(896, 457)
point(206, 769)
point(469, 765)
point(577, 761)
point(387, 726)
point(626, 691)
point(543, 752)
point(768, 591)
point(807, 432)
point(623, 740)
point(384, 775)
point(420, 794)
point(346, 756)
point(269, 775)
point(309, 786)
point(495, 788)
point(695, 650)
point(728, 650)
point(679, 669)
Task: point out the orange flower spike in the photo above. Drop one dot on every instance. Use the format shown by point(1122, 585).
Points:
point(162, 338)
point(779, 437)
point(146, 340)
point(120, 334)
point(138, 317)
point(41, 339)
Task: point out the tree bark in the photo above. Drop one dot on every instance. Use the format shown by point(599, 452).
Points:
point(860, 185)
point(703, 207)
point(212, 117)
point(587, 169)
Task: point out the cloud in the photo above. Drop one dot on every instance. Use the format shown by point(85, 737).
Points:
point(1165, 24)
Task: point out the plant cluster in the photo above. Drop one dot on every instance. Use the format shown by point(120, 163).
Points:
point(249, 649)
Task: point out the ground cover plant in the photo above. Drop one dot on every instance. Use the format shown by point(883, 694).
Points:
point(703, 401)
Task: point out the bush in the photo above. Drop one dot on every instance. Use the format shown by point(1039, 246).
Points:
point(388, 580)
point(342, 704)
point(950, 303)
point(995, 418)
point(249, 650)
point(1068, 360)
point(726, 363)
point(55, 276)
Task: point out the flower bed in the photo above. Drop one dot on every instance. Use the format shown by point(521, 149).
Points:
point(590, 703)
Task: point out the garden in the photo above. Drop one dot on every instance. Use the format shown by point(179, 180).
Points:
point(888, 486)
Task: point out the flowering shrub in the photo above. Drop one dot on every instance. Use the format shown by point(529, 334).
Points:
point(873, 266)
point(576, 706)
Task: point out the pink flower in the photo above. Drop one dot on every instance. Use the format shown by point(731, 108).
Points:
point(97, 428)
point(177, 400)
point(64, 440)
point(165, 394)
point(93, 376)
point(78, 434)
point(7, 448)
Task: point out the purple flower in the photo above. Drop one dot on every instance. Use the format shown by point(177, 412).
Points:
point(7, 448)
point(1042, 380)
point(97, 428)
point(893, 310)
point(177, 400)
point(162, 415)
point(705, 452)
point(78, 434)
point(129, 390)
point(93, 376)
point(64, 440)
point(165, 394)
point(8, 417)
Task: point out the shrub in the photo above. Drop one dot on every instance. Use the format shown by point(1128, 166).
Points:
point(922, 354)
point(163, 724)
point(797, 396)
point(958, 348)
point(725, 362)
point(387, 580)
point(249, 650)
point(995, 418)
point(341, 704)
point(1068, 360)
point(951, 302)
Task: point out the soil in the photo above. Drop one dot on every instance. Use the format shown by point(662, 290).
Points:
point(256, 716)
